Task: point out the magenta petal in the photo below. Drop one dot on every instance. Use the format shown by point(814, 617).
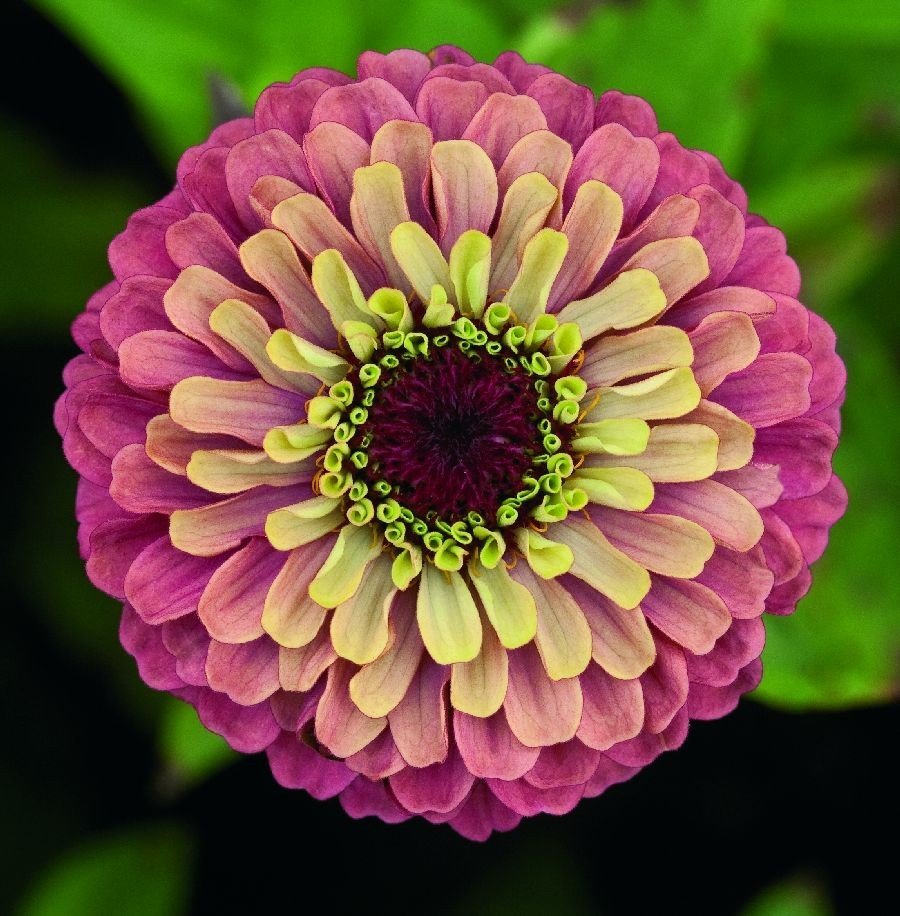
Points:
point(378, 759)
point(159, 360)
point(771, 390)
point(631, 111)
point(246, 673)
point(811, 517)
point(136, 306)
point(528, 800)
point(737, 648)
point(764, 264)
point(440, 787)
point(295, 765)
point(141, 248)
point(199, 239)
point(628, 164)
point(363, 798)
point(225, 135)
point(568, 764)
point(519, 73)
point(665, 686)
point(288, 107)
point(207, 190)
point(787, 329)
point(363, 107)
point(155, 664)
point(741, 580)
point(164, 583)
point(403, 69)
point(114, 545)
point(568, 107)
point(247, 729)
point(186, 638)
point(726, 186)
point(232, 601)
point(680, 170)
point(448, 106)
point(721, 232)
point(647, 747)
point(270, 153)
point(829, 375)
point(482, 813)
point(140, 486)
point(608, 773)
point(490, 749)
point(714, 702)
point(803, 450)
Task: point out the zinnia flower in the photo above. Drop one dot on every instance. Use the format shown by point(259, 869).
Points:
point(446, 432)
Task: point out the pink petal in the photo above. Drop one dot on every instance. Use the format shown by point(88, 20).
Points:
point(665, 686)
point(137, 306)
point(483, 813)
point(141, 248)
point(720, 230)
point(288, 107)
point(419, 722)
point(764, 264)
point(199, 239)
point(567, 764)
point(447, 106)
point(333, 153)
point(362, 106)
point(247, 673)
point(159, 360)
point(741, 580)
point(628, 164)
point(773, 389)
point(186, 639)
point(502, 121)
point(295, 765)
point(811, 518)
point(440, 787)
point(689, 613)
point(247, 729)
point(139, 485)
point(527, 800)
point(489, 748)
point(114, 545)
point(155, 663)
point(714, 702)
point(631, 111)
point(519, 73)
point(164, 583)
point(803, 450)
point(679, 171)
point(378, 759)
point(613, 709)
point(737, 648)
point(403, 69)
point(640, 751)
point(232, 603)
point(363, 798)
point(568, 107)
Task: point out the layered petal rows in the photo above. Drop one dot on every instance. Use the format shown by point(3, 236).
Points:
point(446, 433)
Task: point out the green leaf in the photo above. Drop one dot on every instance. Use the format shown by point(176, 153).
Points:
point(695, 62)
point(423, 24)
point(798, 896)
point(164, 53)
point(142, 871)
point(189, 752)
point(64, 220)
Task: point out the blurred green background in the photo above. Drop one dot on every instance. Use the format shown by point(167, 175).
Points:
point(113, 784)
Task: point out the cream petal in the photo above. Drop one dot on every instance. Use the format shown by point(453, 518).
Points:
point(502, 121)
point(233, 471)
point(664, 544)
point(293, 355)
point(171, 446)
point(379, 686)
point(613, 709)
point(616, 357)
point(378, 205)
point(633, 298)
point(270, 259)
point(723, 343)
point(541, 152)
point(465, 189)
point(622, 643)
point(289, 615)
point(563, 638)
point(526, 206)
point(478, 687)
point(540, 711)
point(359, 625)
point(408, 146)
point(340, 726)
point(306, 220)
point(421, 260)
point(541, 262)
point(302, 523)
point(736, 436)
point(341, 574)
point(618, 487)
point(299, 669)
point(509, 605)
point(591, 226)
point(448, 617)
point(676, 452)
point(665, 395)
point(605, 568)
point(679, 263)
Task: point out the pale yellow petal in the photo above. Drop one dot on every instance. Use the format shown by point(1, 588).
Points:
point(421, 260)
point(288, 444)
point(342, 572)
point(338, 289)
point(633, 298)
point(541, 261)
point(294, 355)
point(509, 605)
point(359, 625)
point(478, 687)
point(619, 487)
point(666, 395)
point(679, 263)
point(676, 452)
point(470, 271)
point(233, 470)
point(602, 566)
point(546, 557)
point(303, 522)
point(736, 436)
point(447, 615)
point(613, 437)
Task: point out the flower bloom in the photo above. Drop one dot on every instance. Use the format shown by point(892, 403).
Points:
point(446, 432)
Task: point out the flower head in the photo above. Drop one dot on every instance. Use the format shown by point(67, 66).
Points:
point(446, 432)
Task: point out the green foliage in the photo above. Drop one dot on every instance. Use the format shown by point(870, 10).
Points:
point(189, 752)
point(798, 896)
point(142, 871)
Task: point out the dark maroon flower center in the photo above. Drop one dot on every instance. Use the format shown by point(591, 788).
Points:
point(454, 433)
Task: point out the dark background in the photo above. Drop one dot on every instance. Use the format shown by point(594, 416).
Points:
point(116, 801)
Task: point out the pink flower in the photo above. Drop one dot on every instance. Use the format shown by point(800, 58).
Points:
point(446, 432)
